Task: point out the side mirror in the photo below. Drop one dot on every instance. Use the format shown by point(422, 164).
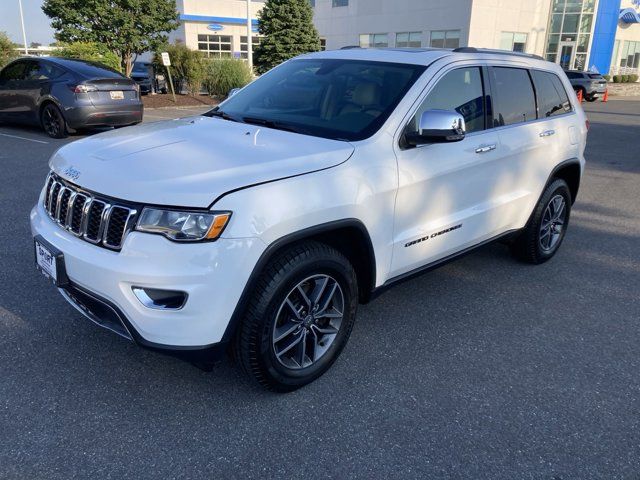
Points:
point(438, 126)
point(232, 92)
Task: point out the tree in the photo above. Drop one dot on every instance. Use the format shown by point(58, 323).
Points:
point(126, 27)
point(93, 52)
point(288, 30)
point(7, 50)
point(224, 74)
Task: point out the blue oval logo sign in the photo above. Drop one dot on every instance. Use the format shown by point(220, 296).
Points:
point(216, 27)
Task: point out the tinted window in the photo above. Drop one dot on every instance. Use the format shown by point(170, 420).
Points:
point(341, 99)
point(461, 91)
point(42, 71)
point(573, 75)
point(90, 69)
point(552, 97)
point(596, 76)
point(15, 71)
point(514, 101)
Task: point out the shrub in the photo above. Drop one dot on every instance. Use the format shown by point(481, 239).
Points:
point(616, 79)
point(633, 78)
point(91, 52)
point(187, 67)
point(7, 50)
point(624, 78)
point(224, 74)
point(607, 77)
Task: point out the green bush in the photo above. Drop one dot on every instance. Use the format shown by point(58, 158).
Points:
point(616, 79)
point(624, 78)
point(633, 78)
point(607, 77)
point(225, 74)
point(187, 67)
point(91, 52)
point(7, 50)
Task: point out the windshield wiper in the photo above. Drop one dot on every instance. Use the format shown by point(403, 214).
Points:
point(220, 114)
point(273, 124)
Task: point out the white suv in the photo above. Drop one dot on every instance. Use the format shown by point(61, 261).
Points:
point(259, 226)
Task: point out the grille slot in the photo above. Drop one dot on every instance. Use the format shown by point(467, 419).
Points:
point(118, 219)
point(91, 218)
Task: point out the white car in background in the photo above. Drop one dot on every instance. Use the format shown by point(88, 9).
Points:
point(260, 226)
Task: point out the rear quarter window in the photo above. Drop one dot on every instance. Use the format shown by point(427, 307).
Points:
point(552, 97)
point(514, 100)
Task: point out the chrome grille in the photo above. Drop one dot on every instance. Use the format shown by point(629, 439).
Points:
point(96, 220)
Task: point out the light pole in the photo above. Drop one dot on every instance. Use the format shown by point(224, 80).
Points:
point(249, 41)
point(24, 34)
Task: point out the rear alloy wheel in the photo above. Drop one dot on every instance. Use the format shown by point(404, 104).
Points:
point(299, 318)
point(542, 236)
point(53, 122)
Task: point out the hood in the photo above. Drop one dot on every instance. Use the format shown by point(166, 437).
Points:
point(191, 161)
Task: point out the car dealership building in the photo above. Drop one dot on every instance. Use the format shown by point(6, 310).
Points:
point(578, 34)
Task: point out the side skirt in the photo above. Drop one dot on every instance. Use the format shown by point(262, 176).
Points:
point(438, 263)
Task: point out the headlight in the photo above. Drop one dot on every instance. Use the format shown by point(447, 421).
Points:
point(183, 226)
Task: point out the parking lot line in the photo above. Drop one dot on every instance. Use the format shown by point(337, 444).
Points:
point(23, 138)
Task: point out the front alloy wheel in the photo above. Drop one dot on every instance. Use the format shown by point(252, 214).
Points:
point(308, 322)
point(299, 317)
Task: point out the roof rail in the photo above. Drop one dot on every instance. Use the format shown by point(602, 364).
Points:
point(496, 52)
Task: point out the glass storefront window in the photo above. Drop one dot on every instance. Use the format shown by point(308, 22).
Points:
point(409, 39)
point(588, 6)
point(558, 6)
point(570, 24)
point(583, 43)
point(375, 40)
point(585, 23)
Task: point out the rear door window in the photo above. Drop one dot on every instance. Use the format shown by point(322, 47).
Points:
point(514, 100)
point(15, 71)
point(552, 97)
point(461, 91)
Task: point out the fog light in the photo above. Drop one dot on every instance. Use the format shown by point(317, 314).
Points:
point(160, 299)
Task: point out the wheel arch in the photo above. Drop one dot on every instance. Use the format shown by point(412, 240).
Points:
point(571, 172)
point(349, 236)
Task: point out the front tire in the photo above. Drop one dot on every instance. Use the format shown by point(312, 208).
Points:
point(542, 236)
point(591, 98)
point(53, 121)
point(299, 317)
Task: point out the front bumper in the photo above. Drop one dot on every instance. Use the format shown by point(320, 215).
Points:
point(104, 115)
point(212, 274)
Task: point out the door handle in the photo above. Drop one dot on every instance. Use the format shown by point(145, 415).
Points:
point(485, 148)
point(547, 133)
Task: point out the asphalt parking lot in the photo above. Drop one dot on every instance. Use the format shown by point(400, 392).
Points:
point(485, 368)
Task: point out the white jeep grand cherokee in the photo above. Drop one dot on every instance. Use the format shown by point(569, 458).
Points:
point(259, 226)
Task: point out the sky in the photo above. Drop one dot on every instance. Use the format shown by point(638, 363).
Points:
point(36, 23)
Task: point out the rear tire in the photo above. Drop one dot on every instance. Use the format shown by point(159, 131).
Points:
point(542, 236)
point(53, 121)
point(299, 317)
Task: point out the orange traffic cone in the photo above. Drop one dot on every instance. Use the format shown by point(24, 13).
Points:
point(579, 94)
point(606, 95)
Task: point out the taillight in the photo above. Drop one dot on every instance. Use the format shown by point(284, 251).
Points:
point(82, 88)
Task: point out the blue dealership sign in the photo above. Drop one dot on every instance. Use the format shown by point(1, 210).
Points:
point(216, 27)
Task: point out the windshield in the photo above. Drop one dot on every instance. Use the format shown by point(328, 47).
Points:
point(339, 99)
